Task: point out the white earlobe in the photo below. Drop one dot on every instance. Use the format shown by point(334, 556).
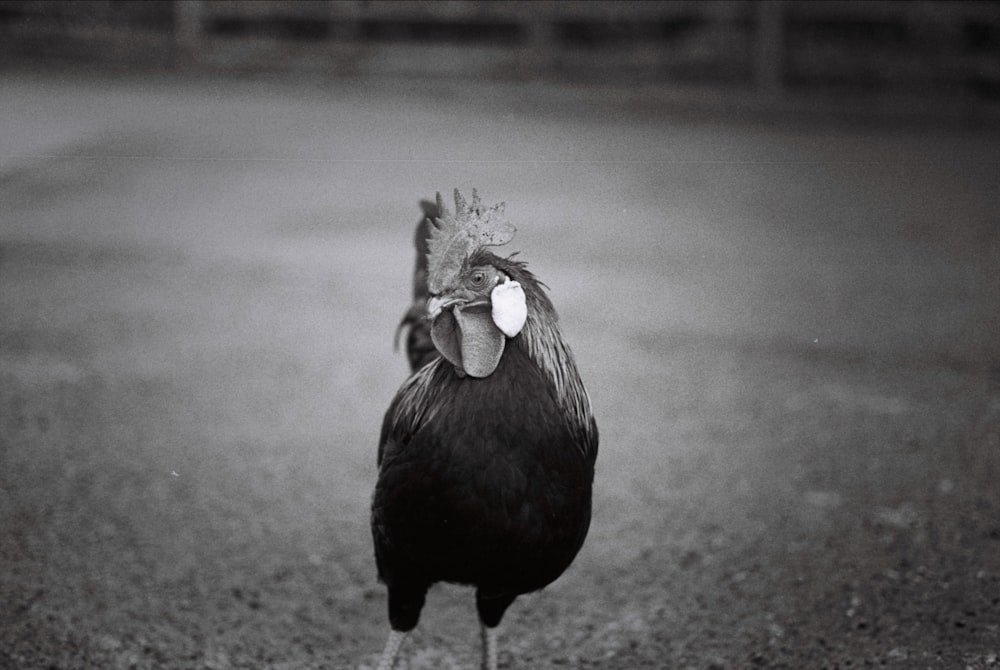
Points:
point(510, 310)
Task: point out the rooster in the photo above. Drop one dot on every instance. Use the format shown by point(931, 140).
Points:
point(486, 454)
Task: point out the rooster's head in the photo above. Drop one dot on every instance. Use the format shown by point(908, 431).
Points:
point(475, 304)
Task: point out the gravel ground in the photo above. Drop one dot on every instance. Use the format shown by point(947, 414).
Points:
point(789, 332)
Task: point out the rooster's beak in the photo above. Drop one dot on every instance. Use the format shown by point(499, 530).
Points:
point(436, 304)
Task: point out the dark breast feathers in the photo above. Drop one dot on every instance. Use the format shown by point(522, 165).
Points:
point(485, 482)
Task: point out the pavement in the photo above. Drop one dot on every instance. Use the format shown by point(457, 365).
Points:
point(788, 330)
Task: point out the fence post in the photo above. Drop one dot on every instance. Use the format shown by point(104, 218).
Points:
point(187, 28)
point(769, 47)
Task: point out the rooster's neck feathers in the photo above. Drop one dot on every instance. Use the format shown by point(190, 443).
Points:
point(540, 339)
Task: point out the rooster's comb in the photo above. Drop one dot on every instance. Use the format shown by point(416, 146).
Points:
point(454, 237)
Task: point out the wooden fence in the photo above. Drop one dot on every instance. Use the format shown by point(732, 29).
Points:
point(944, 53)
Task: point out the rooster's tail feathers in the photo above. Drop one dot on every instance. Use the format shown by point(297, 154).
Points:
point(419, 348)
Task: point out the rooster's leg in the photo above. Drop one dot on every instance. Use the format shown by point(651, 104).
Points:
point(406, 599)
point(491, 607)
point(489, 647)
point(396, 638)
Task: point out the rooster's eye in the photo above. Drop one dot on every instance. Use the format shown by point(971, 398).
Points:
point(478, 278)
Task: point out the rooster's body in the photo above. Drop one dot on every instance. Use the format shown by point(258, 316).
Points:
point(486, 459)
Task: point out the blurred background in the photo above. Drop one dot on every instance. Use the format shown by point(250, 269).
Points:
point(771, 231)
point(941, 57)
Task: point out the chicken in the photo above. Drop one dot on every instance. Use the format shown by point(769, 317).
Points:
point(486, 454)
